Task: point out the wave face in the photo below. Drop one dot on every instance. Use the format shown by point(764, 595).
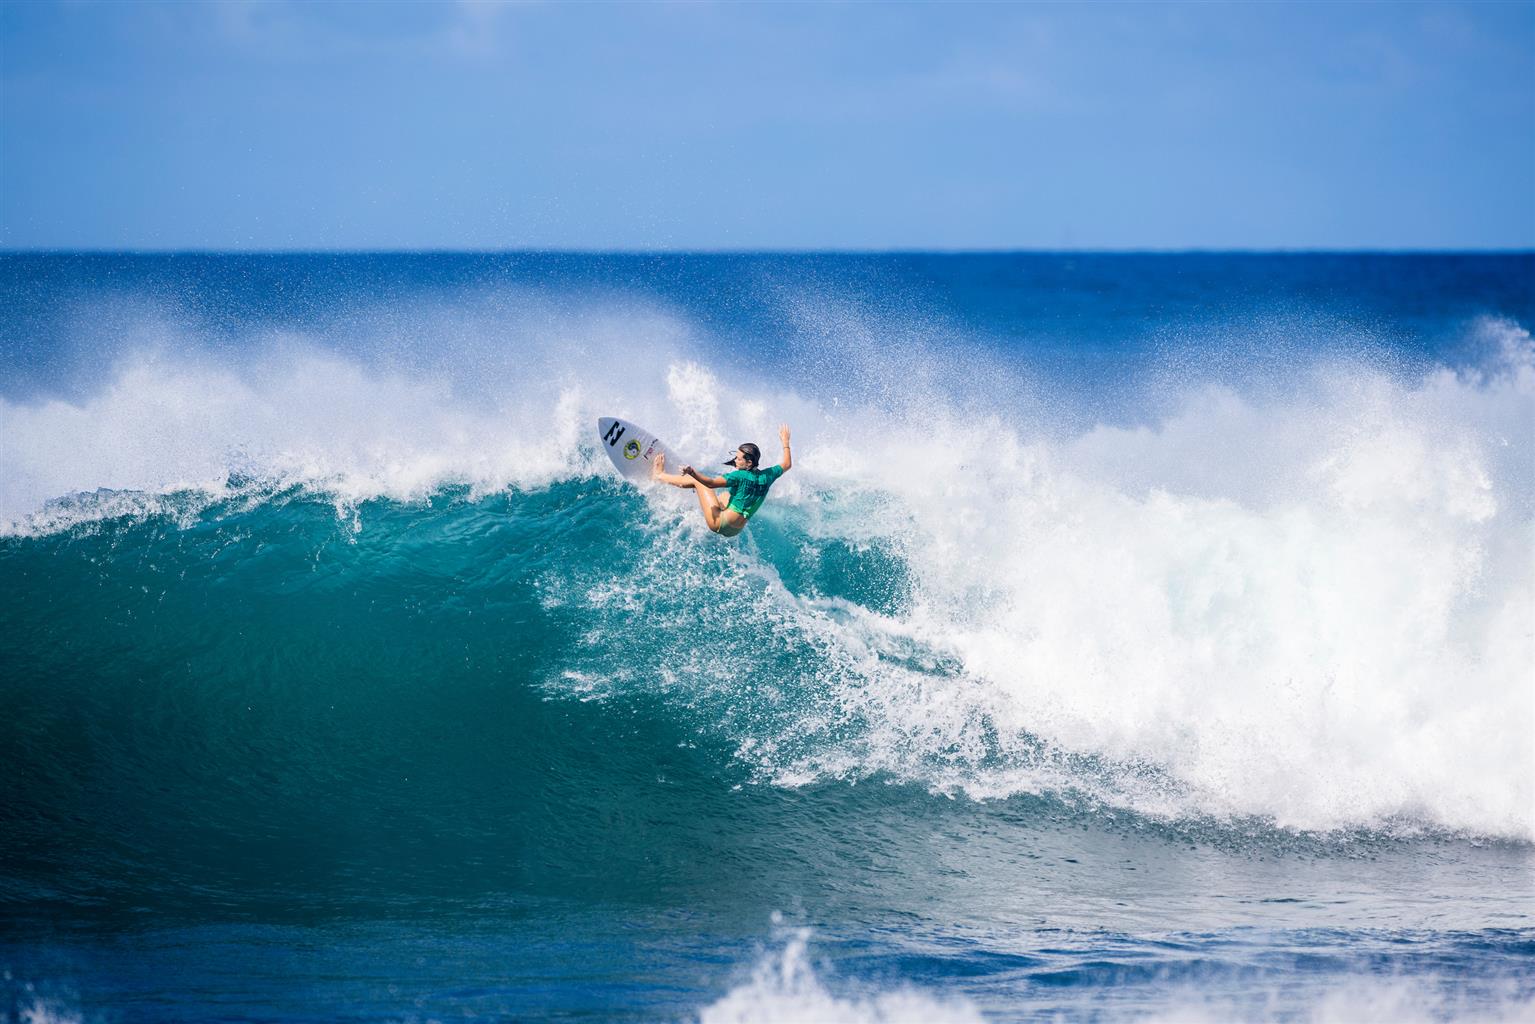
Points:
point(307, 553)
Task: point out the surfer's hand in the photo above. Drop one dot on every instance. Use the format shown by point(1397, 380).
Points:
point(783, 434)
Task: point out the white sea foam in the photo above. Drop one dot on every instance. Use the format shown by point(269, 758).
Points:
point(784, 988)
point(1341, 634)
point(29, 1007)
point(1312, 605)
point(1383, 1000)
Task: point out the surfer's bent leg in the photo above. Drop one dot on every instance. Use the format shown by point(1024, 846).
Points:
point(709, 502)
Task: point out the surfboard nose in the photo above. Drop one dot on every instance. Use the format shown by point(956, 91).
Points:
point(630, 447)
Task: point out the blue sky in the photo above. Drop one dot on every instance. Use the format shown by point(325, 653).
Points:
point(255, 125)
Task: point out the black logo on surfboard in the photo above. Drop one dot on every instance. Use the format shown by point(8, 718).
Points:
point(614, 433)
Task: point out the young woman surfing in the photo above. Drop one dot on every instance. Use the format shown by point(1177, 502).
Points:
point(727, 516)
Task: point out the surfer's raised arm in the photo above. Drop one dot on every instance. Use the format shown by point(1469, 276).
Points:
point(783, 435)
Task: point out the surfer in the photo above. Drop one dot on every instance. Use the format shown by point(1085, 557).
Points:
point(727, 516)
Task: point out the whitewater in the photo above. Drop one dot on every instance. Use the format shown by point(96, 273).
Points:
point(1168, 657)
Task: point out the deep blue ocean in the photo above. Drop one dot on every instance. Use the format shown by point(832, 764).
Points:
point(1136, 637)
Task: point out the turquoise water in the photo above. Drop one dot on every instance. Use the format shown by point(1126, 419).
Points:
point(1134, 638)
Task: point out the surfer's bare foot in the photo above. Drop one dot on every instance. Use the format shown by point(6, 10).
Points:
point(659, 474)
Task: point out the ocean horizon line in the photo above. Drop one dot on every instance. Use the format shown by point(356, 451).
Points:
point(786, 251)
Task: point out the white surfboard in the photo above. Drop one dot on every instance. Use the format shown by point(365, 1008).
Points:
point(633, 448)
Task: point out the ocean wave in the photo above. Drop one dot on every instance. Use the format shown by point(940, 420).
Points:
point(1308, 607)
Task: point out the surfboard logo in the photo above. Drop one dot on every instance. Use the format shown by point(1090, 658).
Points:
point(632, 449)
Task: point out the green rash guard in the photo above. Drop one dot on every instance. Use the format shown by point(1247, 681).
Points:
point(748, 487)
